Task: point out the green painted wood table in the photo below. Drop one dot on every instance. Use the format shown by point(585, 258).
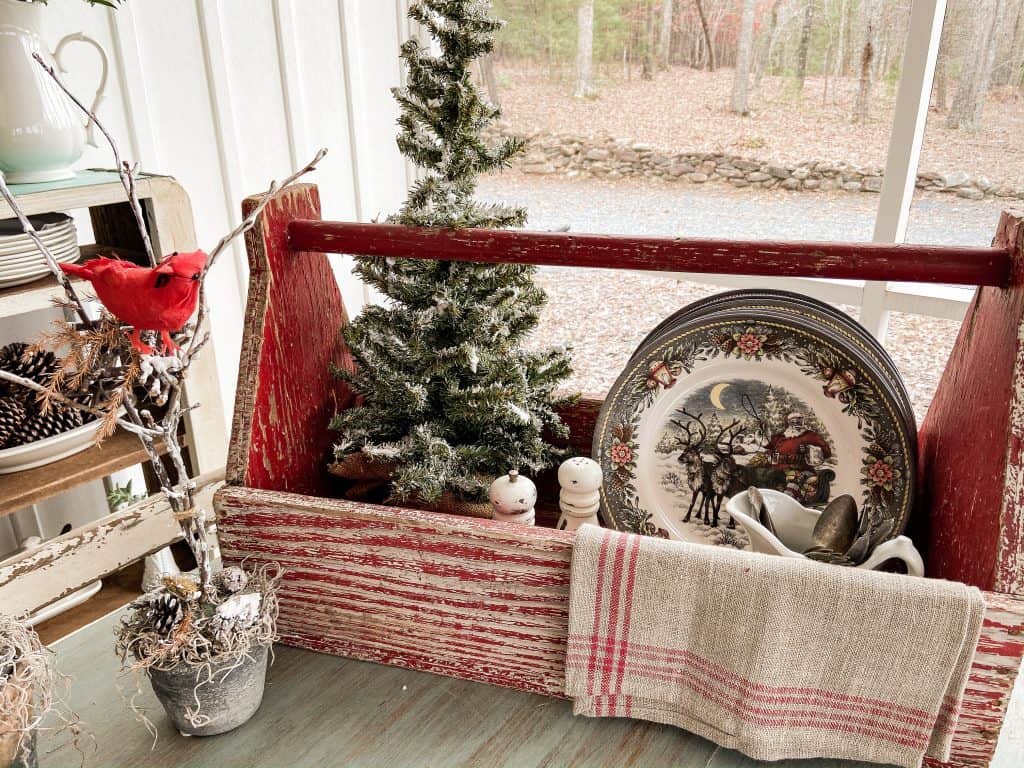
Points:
point(322, 710)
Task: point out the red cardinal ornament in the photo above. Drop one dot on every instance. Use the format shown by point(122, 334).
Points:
point(160, 298)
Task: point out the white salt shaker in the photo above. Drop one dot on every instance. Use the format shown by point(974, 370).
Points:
point(513, 498)
point(580, 497)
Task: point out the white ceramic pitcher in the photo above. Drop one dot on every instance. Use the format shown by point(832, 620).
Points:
point(794, 524)
point(41, 133)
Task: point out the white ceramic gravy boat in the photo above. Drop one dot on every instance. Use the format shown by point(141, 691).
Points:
point(794, 524)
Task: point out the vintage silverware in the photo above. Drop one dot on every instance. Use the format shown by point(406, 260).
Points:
point(837, 528)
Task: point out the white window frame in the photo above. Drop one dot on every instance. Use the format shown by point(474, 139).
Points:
point(910, 116)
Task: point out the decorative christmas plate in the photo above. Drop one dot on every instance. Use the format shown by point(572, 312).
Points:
point(741, 397)
point(757, 300)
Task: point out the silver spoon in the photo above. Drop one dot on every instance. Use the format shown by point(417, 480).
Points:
point(836, 528)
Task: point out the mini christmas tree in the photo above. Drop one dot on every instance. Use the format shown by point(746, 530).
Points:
point(451, 399)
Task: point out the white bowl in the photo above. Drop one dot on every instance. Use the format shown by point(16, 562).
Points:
point(41, 452)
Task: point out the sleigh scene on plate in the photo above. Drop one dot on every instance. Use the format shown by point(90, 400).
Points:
point(730, 435)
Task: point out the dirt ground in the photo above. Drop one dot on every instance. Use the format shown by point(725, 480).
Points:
point(686, 109)
point(604, 314)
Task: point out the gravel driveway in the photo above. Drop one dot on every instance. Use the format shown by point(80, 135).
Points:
point(603, 314)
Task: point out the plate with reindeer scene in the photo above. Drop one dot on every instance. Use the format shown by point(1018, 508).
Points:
point(754, 300)
point(740, 397)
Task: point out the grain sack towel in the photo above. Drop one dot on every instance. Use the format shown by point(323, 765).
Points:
point(775, 657)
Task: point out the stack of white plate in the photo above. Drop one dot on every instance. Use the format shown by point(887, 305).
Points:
point(20, 259)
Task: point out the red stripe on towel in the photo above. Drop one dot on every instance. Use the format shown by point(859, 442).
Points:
point(596, 629)
point(673, 654)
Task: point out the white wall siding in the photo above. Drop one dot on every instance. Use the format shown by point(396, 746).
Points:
point(226, 95)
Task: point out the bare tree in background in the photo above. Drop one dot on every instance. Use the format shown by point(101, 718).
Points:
point(767, 44)
point(585, 50)
point(489, 79)
point(941, 90)
point(862, 107)
point(969, 102)
point(707, 34)
point(649, 32)
point(744, 55)
point(805, 44)
point(665, 38)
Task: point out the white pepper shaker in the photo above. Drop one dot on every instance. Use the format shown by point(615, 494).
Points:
point(580, 497)
point(513, 498)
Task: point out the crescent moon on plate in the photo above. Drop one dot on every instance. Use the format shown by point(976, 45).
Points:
point(716, 395)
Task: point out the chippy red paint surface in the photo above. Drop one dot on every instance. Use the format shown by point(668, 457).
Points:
point(862, 261)
point(286, 395)
point(487, 601)
point(970, 441)
point(484, 601)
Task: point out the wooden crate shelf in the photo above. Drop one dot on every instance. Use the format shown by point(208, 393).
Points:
point(39, 294)
point(63, 564)
point(88, 189)
point(22, 489)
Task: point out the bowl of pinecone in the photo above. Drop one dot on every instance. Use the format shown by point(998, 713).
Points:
point(29, 435)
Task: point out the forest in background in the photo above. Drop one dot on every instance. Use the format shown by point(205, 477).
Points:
point(587, 42)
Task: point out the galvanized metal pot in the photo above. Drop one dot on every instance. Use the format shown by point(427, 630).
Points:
point(23, 758)
point(225, 703)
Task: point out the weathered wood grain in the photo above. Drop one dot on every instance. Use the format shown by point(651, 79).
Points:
point(59, 566)
point(469, 598)
point(22, 489)
point(856, 261)
point(286, 395)
point(488, 602)
point(483, 601)
point(971, 514)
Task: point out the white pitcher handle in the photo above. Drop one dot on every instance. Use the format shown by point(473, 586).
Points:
point(900, 548)
point(90, 135)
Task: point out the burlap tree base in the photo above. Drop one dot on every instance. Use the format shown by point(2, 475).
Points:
point(373, 479)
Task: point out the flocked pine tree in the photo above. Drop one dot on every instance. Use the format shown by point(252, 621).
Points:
point(451, 399)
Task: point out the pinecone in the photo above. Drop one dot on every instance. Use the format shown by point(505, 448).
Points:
point(230, 580)
point(166, 612)
point(235, 615)
point(39, 425)
point(182, 587)
point(38, 366)
point(6, 664)
point(12, 415)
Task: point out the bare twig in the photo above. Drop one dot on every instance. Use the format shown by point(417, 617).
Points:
point(267, 196)
point(51, 262)
point(241, 229)
point(124, 170)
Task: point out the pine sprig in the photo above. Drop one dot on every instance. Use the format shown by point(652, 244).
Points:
point(450, 398)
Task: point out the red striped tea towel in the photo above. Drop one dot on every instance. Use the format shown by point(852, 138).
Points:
point(775, 657)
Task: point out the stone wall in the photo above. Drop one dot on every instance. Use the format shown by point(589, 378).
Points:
point(602, 156)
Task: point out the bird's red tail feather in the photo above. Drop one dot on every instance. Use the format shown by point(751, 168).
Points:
point(78, 270)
